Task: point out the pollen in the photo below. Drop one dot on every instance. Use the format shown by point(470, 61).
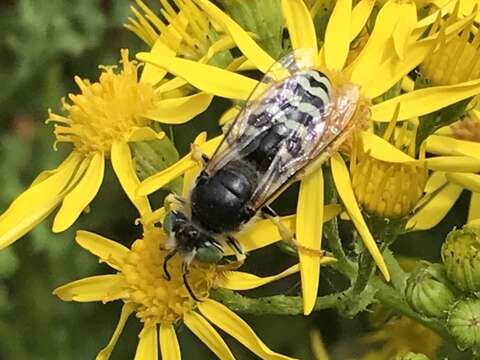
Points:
point(158, 300)
point(385, 189)
point(456, 61)
point(104, 111)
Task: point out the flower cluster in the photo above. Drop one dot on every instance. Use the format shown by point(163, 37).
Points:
point(399, 142)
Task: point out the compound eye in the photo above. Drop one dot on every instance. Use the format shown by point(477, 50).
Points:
point(209, 254)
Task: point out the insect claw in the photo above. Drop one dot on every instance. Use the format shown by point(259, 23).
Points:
point(165, 264)
point(186, 283)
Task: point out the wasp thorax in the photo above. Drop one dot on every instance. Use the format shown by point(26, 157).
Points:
point(428, 290)
point(389, 190)
point(104, 111)
point(159, 300)
point(461, 256)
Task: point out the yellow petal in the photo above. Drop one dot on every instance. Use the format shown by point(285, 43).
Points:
point(232, 324)
point(300, 25)
point(424, 101)
point(344, 188)
point(443, 145)
point(112, 252)
point(404, 28)
point(337, 36)
point(468, 181)
point(436, 209)
point(147, 348)
point(383, 150)
point(37, 202)
point(155, 182)
point(435, 181)
point(360, 14)
point(208, 335)
point(237, 280)
point(454, 164)
point(124, 168)
point(474, 208)
point(105, 353)
point(309, 234)
point(81, 195)
point(245, 43)
point(207, 78)
point(144, 134)
point(168, 343)
point(366, 64)
point(179, 110)
point(229, 115)
point(152, 74)
point(102, 288)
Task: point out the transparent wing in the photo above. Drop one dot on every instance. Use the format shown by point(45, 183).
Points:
point(268, 93)
point(310, 142)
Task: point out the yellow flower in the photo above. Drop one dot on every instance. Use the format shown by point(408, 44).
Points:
point(390, 53)
point(159, 303)
point(100, 122)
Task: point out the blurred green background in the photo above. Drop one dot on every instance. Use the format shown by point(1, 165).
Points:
point(43, 45)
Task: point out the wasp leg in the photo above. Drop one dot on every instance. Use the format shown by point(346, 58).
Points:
point(198, 155)
point(185, 264)
point(268, 213)
point(235, 245)
point(165, 263)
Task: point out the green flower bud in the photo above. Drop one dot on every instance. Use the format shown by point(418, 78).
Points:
point(461, 256)
point(428, 290)
point(412, 356)
point(464, 323)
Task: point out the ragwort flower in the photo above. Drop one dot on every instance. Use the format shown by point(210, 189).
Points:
point(390, 53)
point(100, 122)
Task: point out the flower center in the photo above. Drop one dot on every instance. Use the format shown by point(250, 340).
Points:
point(104, 111)
point(385, 189)
point(159, 300)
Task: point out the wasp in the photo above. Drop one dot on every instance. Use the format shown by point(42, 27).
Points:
point(293, 118)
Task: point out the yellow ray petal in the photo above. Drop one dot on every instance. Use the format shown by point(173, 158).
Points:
point(435, 180)
point(112, 252)
point(360, 14)
point(208, 78)
point(424, 101)
point(144, 134)
point(265, 232)
point(168, 343)
point(245, 43)
point(436, 209)
point(229, 115)
point(454, 164)
point(366, 64)
point(237, 280)
point(155, 182)
point(299, 24)
point(37, 202)
point(232, 324)
point(474, 208)
point(443, 145)
point(208, 335)
point(382, 150)
point(404, 28)
point(179, 110)
point(309, 234)
point(152, 74)
point(105, 353)
point(102, 288)
point(467, 181)
point(147, 348)
point(344, 188)
point(124, 168)
point(81, 195)
point(337, 36)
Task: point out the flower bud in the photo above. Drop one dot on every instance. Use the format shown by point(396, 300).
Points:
point(461, 256)
point(464, 323)
point(428, 291)
point(412, 356)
